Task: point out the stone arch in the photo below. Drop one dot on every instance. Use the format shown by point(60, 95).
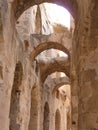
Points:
point(61, 81)
point(60, 64)
point(57, 120)
point(46, 117)
point(20, 6)
point(55, 83)
point(45, 46)
point(15, 98)
point(33, 122)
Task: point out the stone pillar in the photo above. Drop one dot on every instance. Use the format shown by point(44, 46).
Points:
point(4, 71)
point(85, 55)
point(33, 123)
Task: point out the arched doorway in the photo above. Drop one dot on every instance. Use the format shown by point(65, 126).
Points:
point(46, 117)
point(15, 98)
point(57, 120)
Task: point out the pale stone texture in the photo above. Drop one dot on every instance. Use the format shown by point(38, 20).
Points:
point(21, 45)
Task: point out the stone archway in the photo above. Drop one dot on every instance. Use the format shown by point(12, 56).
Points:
point(57, 120)
point(20, 6)
point(56, 83)
point(15, 98)
point(45, 46)
point(60, 64)
point(46, 117)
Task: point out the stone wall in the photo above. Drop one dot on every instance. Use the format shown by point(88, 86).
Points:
point(83, 74)
point(85, 67)
point(19, 77)
point(57, 102)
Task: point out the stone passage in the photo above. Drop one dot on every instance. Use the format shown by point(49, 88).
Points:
point(48, 71)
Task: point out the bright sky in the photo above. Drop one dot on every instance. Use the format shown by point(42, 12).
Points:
point(58, 14)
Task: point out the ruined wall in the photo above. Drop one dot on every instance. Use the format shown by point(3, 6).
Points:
point(33, 21)
point(25, 25)
point(55, 103)
point(16, 85)
point(85, 69)
point(12, 53)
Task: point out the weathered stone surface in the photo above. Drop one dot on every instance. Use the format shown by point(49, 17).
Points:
point(60, 41)
point(47, 66)
point(25, 100)
point(56, 83)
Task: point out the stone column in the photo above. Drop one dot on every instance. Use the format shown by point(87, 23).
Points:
point(85, 55)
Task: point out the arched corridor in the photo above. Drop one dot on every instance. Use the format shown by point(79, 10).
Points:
point(48, 70)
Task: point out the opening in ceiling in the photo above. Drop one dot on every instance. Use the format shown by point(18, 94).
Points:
point(57, 14)
point(45, 19)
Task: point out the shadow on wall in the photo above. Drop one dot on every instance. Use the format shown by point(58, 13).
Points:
point(57, 120)
point(33, 123)
point(15, 98)
point(46, 117)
